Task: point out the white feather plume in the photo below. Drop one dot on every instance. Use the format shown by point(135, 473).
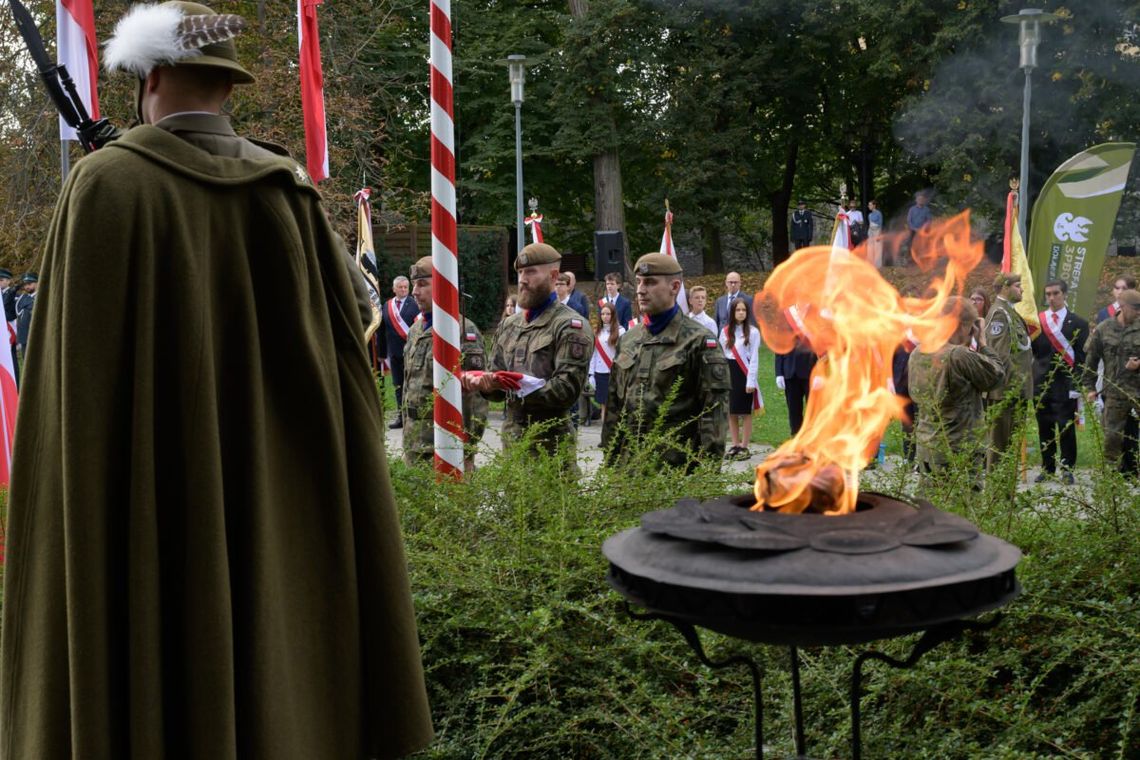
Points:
point(146, 37)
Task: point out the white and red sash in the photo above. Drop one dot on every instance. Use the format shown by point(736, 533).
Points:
point(1112, 309)
point(397, 319)
point(743, 368)
point(604, 350)
point(1057, 338)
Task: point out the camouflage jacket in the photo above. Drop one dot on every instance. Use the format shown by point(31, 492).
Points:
point(419, 396)
point(644, 372)
point(556, 347)
point(1114, 343)
point(947, 386)
point(1008, 336)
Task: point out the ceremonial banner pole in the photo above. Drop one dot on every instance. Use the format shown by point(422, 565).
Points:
point(448, 409)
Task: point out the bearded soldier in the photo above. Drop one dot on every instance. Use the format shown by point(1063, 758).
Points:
point(669, 350)
point(204, 558)
point(419, 393)
point(1008, 335)
point(545, 340)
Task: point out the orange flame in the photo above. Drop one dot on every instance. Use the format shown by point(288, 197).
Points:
point(854, 320)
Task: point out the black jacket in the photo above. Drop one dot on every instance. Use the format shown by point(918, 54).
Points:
point(1052, 378)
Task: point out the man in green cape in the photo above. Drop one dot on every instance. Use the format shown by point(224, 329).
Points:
point(204, 557)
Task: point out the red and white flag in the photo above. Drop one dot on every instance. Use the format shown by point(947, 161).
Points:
point(78, 50)
point(668, 250)
point(535, 222)
point(312, 90)
point(8, 403)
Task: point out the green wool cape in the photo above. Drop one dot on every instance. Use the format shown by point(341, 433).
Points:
point(204, 558)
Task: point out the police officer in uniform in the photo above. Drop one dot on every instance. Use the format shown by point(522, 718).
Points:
point(25, 303)
point(803, 226)
point(419, 396)
point(651, 358)
point(546, 340)
point(1117, 341)
point(1008, 336)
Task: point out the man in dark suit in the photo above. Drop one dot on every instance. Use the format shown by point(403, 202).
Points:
point(1058, 352)
point(622, 306)
point(793, 377)
point(399, 313)
point(25, 302)
point(732, 292)
point(578, 301)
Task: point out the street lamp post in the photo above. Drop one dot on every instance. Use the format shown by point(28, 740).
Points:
point(1029, 21)
point(517, 67)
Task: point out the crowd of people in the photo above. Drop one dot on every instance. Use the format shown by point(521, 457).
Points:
point(976, 394)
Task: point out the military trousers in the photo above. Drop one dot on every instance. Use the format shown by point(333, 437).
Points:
point(1008, 419)
point(1117, 418)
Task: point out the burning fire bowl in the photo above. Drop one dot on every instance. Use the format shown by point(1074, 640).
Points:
point(888, 569)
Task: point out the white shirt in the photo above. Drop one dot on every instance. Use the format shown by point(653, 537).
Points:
point(597, 363)
point(705, 320)
point(1064, 312)
point(855, 216)
point(750, 353)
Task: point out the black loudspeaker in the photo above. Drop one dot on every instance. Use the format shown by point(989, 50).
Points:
point(609, 253)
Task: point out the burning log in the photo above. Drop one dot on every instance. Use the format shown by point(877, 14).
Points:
point(797, 483)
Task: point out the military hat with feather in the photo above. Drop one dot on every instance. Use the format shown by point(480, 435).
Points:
point(175, 34)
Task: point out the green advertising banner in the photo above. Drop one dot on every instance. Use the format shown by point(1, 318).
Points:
point(1073, 220)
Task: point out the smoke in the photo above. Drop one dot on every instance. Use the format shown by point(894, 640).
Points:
point(968, 122)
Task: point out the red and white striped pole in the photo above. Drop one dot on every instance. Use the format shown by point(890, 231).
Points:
point(449, 436)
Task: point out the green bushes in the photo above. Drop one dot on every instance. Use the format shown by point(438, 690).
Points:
point(530, 654)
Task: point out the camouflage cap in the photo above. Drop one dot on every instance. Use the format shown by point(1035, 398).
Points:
point(537, 253)
point(656, 264)
point(1005, 278)
point(421, 269)
point(1130, 298)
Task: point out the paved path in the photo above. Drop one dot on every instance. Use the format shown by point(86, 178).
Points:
point(590, 457)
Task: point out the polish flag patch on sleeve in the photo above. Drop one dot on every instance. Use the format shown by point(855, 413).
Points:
point(470, 337)
point(710, 342)
point(576, 324)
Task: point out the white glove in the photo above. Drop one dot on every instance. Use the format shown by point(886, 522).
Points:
point(780, 382)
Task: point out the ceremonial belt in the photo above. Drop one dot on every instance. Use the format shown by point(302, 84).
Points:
point(606, 356)
point(397, 320)
point(1059, 341)
point(743, 368)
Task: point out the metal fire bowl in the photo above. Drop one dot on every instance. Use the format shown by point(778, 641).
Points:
point(889, 569)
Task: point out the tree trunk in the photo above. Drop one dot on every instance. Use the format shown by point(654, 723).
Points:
point(713, 254)
point(780, 202)
point(609, 211)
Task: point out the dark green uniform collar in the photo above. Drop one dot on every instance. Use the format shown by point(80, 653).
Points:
point(163, 147)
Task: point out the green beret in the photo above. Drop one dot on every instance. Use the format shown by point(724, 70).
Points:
point(1130, 297)
point(1005, 278)
point(421, 269)
point(656, 264)
point(535, 254)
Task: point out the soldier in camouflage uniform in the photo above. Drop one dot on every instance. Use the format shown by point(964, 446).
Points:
point(1008, 335)
point(947, 387)
point(419, 396)
point(1116, 340)
point(651, 358)
point(547, 340)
